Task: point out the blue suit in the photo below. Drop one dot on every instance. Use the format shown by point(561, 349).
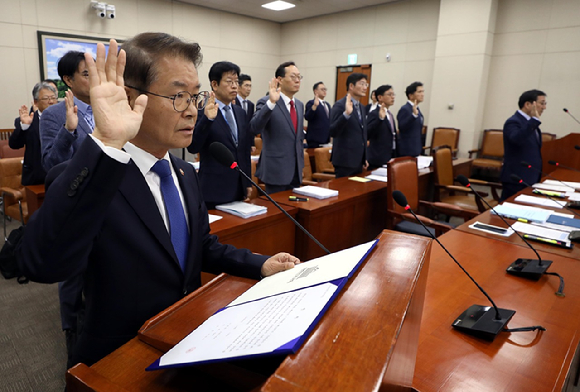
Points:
point(349, 143)
point(522, 141)
point(409, 131)
point(220, 184)
point(282, 157)
point(318, 124)
point(32, 171)
point(380, 148)
point(100, 219)
point(58, 144)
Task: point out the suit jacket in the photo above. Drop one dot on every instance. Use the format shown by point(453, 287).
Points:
point(409, 131)
point(32, 171)
point(318, 123)
point(282, 147)
point(220, 184)
point(251, 108)
point(380, 138)
point(349, 143)
point(58, 144)
point(100, 219)
point(522, 141)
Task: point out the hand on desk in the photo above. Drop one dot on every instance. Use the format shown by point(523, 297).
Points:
point(279, 262)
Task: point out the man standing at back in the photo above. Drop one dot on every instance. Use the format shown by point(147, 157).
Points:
point(522, 141)
point(244, 90)
point(26, 133)
point(382, 135)
point(279, 118)
point(65, 125)
point(348, 127)
point(318, 116)
point(222, 122)
point(410, 121)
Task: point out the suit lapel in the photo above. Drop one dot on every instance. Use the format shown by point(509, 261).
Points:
point(286, 113)
point(135, 190)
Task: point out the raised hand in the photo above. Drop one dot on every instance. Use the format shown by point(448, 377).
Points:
point(115, 121)
point(279, 262)
point(274, 95)
point(415, 108)
point(316, 102)
point(534, 111)
point(348, 105)
point(382, 111)
point(25, 116)
point(72, 118)
point(211, 108)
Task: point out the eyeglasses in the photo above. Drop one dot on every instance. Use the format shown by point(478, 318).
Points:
point(363, 84)
point(232, 83)
point(296, 77)
point(47, 99)
point(182, 99)
point(390, 94)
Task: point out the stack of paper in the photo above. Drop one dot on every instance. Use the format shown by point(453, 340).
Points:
point(541, 201)
point(316, 192)
point(242, 209)
point(424, 162)
point(575, 185)
point(552, 187)
point(379, 174)
point(542, 232)
point(515, 211)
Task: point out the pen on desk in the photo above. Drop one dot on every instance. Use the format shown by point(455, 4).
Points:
point(547, 240)
point(523, 220)
point(295, 198)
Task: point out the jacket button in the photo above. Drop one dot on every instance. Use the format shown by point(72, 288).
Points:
point(185, 292)
point(85, 172)
point(71, 192)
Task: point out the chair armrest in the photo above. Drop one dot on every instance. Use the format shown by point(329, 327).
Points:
point(323, 176)
point(494, 186)
point(307, 182)
point(16, 194)
point(471, 152)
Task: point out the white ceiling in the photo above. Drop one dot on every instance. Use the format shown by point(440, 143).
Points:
point(304, 8)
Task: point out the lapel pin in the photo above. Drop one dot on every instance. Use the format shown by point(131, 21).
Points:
point(181, 171)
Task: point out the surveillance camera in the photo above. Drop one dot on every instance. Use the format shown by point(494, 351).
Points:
point(111, 11)
point(100, 8)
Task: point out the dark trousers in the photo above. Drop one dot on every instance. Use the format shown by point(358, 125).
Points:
point(271, 188)
point(343, 171)
point(510, 189)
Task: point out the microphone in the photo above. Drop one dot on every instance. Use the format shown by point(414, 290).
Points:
point(526, 268)
point(526, 164)
point(564, 166)
point(577, 147)
point(477, 320)
point(224, 156)
point(575, 119)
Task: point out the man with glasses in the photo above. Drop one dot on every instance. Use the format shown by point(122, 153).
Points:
point(318, 117)
point(26, 133)
point(64, 127)
point(123, 211)
point(410, 121)
point(382, 129)
point(348, 128)
point(221, 121)
point(279, 118)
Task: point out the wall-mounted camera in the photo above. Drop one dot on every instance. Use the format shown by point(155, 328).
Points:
point(104, 10)
point(111, 11)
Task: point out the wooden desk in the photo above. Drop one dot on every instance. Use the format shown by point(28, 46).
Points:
point(356, 215)
point(365, 342)
point(448, 360)
point(34, 197)
point(562, 150)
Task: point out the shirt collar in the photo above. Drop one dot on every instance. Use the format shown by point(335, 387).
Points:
point(285, 98)
point(241, 99)
point(82, 106)
point(411, 102)
point(221, 104)
point(143, 159)
point(524, 114)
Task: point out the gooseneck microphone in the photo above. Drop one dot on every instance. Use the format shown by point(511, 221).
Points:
point(224, 156)
point(477, 320)
point(557, 164)
point(527, 165)
point(577, 147)
point(570, 114)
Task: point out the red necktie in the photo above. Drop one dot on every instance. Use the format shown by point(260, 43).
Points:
point(293, 116)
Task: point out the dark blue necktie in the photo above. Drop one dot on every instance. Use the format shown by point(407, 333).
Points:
point(177, 224)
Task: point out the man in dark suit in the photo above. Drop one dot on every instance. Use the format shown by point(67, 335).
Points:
point(26, 133)
point(279, 118)
point(129, 216)
point(64, 126)
point(348, 128)
point(411, 121)
point(222, 122)
point(522, 141)
point(318, 116)
point(381, 131)
point(244, 90)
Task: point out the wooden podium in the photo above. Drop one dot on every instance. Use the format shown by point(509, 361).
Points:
point(367, 340)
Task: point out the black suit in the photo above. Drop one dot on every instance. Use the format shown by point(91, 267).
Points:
point(318, 124)
point(32, 171)
point(251, 108)
point(100, 219)
point(410, 128)
point(349, 139)
point(220, 184)
point(380, 148)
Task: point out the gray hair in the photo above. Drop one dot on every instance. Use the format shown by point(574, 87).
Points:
point(42, 86)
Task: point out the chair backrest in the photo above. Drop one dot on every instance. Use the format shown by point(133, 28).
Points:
point(258, 145)
point(445, 137)
point(443, 165)
point(403, 176)
point(11, 173)
point(307, 170)
point(546, 137)
point(5, 133)
point(7, 152)
point(322, 159)
point(492, 143)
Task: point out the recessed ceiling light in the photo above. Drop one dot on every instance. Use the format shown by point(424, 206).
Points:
point(278, 5)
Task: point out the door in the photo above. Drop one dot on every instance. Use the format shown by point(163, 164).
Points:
point(343, 72)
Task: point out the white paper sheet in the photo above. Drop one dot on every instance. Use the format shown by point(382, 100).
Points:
point(322, 269)
point(242, 209)
point(515, 211)
point(315, 191)
point(541, 201)
point(552, 187)
point(571, 184)
point(424, 162)
point(252, 328)
point(377, 178)
point(540, 231)
point(213, 218)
